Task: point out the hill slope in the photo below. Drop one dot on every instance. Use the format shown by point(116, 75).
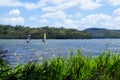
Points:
point(103, 33)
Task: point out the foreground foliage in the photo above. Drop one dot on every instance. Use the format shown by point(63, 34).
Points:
point(106, 66)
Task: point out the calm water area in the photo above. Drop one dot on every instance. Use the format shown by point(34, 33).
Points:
point(19, 51)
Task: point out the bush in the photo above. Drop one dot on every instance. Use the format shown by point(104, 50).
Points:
point(106, 66)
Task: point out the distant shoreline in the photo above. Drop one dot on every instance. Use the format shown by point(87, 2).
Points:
point(62, 39)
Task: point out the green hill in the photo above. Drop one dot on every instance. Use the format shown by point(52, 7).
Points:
point(103, 33)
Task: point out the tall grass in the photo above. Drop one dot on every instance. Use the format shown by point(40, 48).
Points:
point(106, 66)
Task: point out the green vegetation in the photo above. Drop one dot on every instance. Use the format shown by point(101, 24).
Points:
point(103, 33)
point(106, 66)
point(21, 32)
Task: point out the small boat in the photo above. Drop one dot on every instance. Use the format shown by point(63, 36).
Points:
point(28, 39)
point(44, 38)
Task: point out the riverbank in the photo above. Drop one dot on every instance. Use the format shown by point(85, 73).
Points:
point(106, 66)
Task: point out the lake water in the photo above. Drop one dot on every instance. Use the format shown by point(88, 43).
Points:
point(21, 52)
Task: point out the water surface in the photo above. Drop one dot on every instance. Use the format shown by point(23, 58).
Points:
point(22, 52)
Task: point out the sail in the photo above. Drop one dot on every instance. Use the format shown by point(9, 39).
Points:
point(44, 38)
point(28, 39)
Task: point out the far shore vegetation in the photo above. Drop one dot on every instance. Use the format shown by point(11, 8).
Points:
point(105, 66)
point(21, 32)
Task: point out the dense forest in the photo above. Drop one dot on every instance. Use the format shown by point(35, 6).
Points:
point(21, 32)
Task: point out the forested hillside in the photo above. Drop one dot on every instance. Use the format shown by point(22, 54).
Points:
point(103, 33)
point(21, 32)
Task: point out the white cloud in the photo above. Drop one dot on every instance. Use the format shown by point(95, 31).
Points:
point(60, 19)
point(78, 15)
point(116, 16)
point(43, 21)
point(82, 4)
point(88, 4)
point(30, 5)
point(117, 12)
point(57, 14)
point(13, 20)
point(114, 2)
point(75, 16)
point(66, 5)
point(67, 23)
point(14, 12)
point(49, 8)
point(56, 1)
point(33, 18)
point(100, 21)
point(18, 3)
point(98, 1)
point(59, 5)
point(10, 3)
point(54, 4)
point(96, 20)
point(116, 22)
point(93, 20)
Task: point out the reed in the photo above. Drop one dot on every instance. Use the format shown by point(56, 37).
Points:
point(105, 66)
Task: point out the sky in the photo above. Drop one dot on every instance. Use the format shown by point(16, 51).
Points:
point(78, 14)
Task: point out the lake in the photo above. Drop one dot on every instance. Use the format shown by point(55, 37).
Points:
point(21, 52)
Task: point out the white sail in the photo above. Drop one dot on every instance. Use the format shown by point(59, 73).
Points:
point(28, 39)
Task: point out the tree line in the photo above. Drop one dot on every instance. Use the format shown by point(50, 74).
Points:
point(21, 32)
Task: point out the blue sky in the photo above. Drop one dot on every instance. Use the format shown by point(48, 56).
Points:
point(78, 14)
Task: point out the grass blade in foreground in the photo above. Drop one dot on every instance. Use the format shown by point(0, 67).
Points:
point(106, 66)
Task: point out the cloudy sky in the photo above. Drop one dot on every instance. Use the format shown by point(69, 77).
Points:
point(79, 14)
